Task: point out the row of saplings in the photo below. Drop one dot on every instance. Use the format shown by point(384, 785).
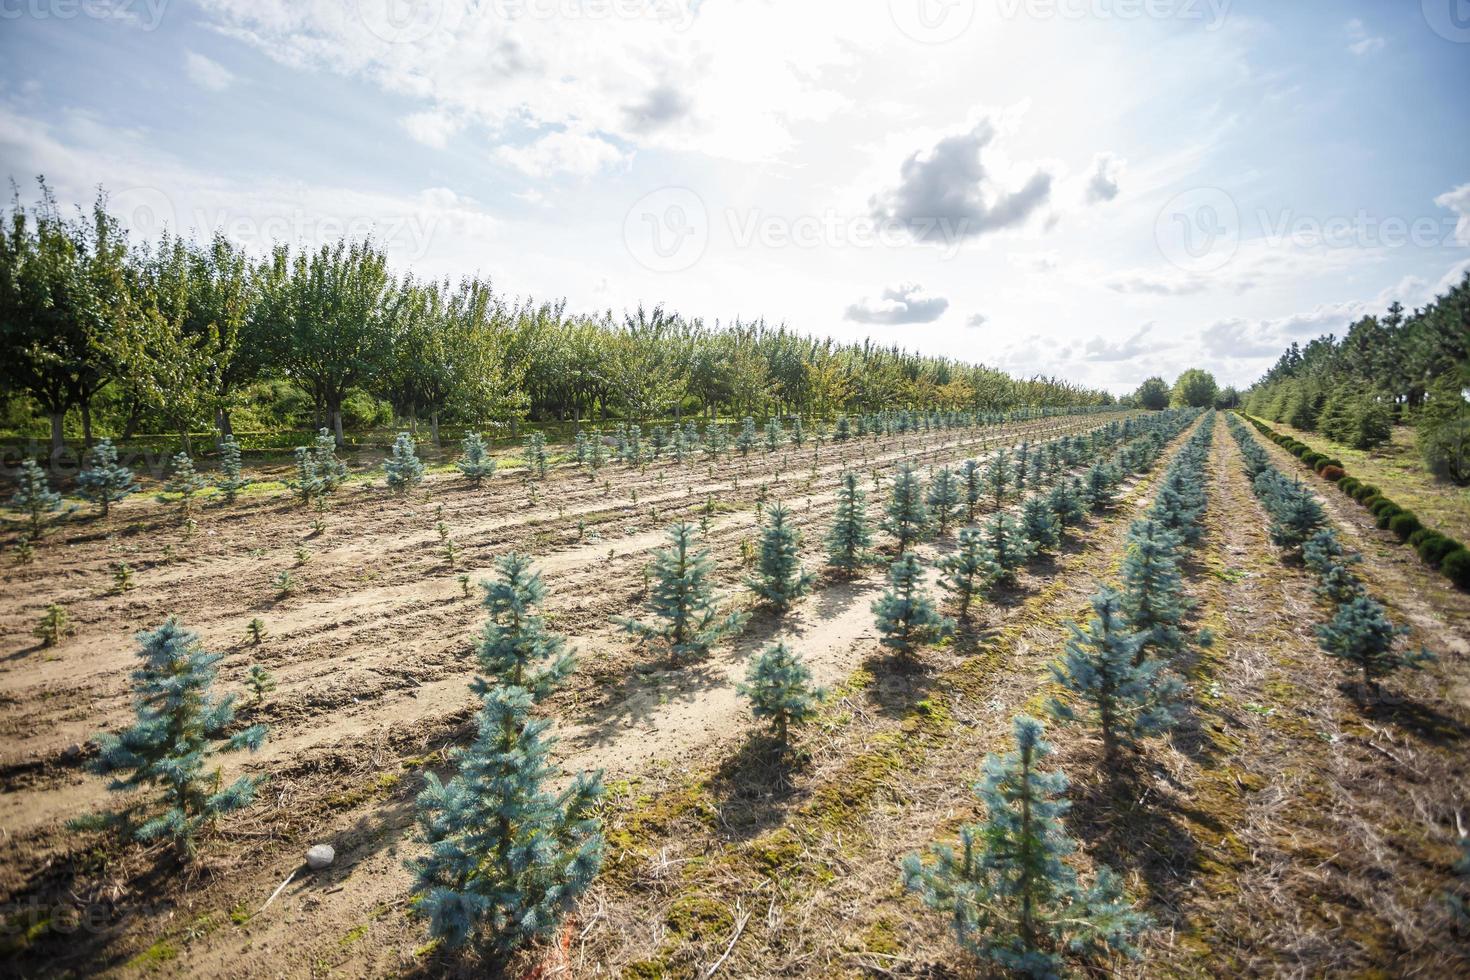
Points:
point(507, 857)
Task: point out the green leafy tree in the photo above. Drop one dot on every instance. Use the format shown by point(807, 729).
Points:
point(1012, 898)
point(508, 858)
point(682, 600)
point(475, 461)
point(1124, 693)
point(103, 480)
point(403, 469)
point(1153, 395)
point(180, 727)
point(849, 538)
point(780, 579)
point(943, 499)
point(515, 648)
point(232, 479)
point(1195, 388)
point(907, 518)
point(906, 618)
point(34, 498)
point(779, 687)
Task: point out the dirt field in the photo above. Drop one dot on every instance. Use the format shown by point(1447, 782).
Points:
point(1281, 831)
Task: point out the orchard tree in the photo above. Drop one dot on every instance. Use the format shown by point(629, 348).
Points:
point(780, 579)
point(1153, 395)
point(849, 538)
point(180, 727)
point(103, 480)
point(403, 469)
point(515, 648)
point(779, 687)
point(1012, 898)
point(906, 619)
point(683, 601)
point(908, 519)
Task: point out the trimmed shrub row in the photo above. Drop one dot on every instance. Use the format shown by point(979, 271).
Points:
point(1435, 549)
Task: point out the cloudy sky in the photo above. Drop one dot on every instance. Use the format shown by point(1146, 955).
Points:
point(1099, 189)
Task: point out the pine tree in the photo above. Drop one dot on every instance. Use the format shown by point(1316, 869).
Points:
point(998, 477)
point(34, 498)
point(598, 456)
point(908, 520)
point(973, 478)
point(260, 682)
point(774, 436)
point(965, 572)
point(780, 579)
point(515, 648)
point(330, 470)
point(403, 469)
point(1103, 668)
point(745, 442)
point(1097, 491)
point(232, 478)
point(1066, 503)
point(308, 483)
point(682, 599)
point(1297, 517)
point(507, 857)
point(55, 625)
point(843, 431)
point(1361, 635)
point(1324, 555)
point(179, 729)
point(1153, 589)
point(475, 461)
point(849, 538)
point(779, 687)
point(1039, 523)
point(535, 455)
point(185, 482)
point(1008, 545)
point(658, 442)
point(1012, 898)
point(906, 619)
point(798, 434)
point(944, 498)
point(104, 481)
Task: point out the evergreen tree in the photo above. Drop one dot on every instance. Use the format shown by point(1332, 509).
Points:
point(34, 498)
point(798, 434)
point(1153, 589)
point(179, 729)
point(906, 619)
point(682, 599)
point(1324, 555)
point(598, 455)
point(185, 482)
point(55, 625)
point(908, 520)
point(515, 647)
point(232, 478)
point(403, 469)
point(475, 461)
point(1066, 502)
point(507, 857)
point(843, 431)
point(973, 478)
point(967, 570)
point(308, 483)
point(260, 682)
point(780, 579)
point(1097, 491)
point(330, 470)
point(1361, 635)
point(1125, 693)
point(774, 435)
point(104, 481)
point(849, 538)
point(1008, 545)
point(1297, 517)
point(1012, 898)
point(998, 477)
point(535, 455)
point(944, 498)
point(745, 442)
point(1039, 523)
point(779, 687)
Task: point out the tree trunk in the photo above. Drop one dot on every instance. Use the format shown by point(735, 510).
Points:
point(58, 445)
point(434, 426)
point(337, 427)
point(87, 424)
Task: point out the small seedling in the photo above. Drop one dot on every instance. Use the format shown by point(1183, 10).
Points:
point(449, 552)
point(284, 583)
point(25, 552)
point(302, 555)
point(122, 577)
point(256, 629)
point(54, 625)
point(463, 579)
point(260, 682)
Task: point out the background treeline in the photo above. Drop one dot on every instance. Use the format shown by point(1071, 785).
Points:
point(100, 335)
point(1409, 369)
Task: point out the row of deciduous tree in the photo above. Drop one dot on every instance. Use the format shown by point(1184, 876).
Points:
point(170, 336)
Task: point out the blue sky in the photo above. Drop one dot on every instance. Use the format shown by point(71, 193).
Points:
point(1098, 189)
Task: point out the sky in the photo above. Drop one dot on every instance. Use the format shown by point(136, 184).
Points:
point(1100, 190)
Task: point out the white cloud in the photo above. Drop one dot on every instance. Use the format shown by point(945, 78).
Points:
point(976, 320)
point(566, 152)
point(1102, 184)
point(901, 303)
point(207, 73)
point(431, 127)
point(1135, 345)
point(1458, 201)
point(1360, 42)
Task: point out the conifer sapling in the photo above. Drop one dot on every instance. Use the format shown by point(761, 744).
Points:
point(849, 538)
point(780, 580)
point(1361, 635)
point(943, 498)
point(104, 481)
point(779, 687)
point(403, 469)
point(185, 482)
point(907, 519)
point(34, 498)
point(475, 461)
point(682, 600)
point(906, 618)
point(515, 647)
point(232, 479)
point(965, 572)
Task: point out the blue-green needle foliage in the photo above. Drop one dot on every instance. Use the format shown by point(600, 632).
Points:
point(105, 481)
point(779, 687)
point(849, 539)
point(1336, 581)
point(1127, 696)
point(403, 468)
point(780, 580)
point(179, 727)
point(1361, 635)
point(998, 477)
point(972, 477)
point(682, 600)
point(232, 478)
point(515, 647)
point(184, 481)
point(906, 618)
point(907, 518)
point(1010, 548)
point(329, 469)
point(1012, 898)
point(475, 461)
point(535, 455)
point(507, 857)
point(34, 498)
point(1153, 590)
point(1040, 524)
point(1066, 502)
point(944, 499)
point(965, 572)
point(745, 441)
